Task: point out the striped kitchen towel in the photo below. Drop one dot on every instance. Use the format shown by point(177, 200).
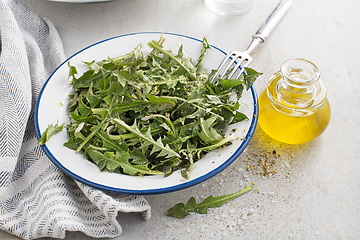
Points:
point(36, 198)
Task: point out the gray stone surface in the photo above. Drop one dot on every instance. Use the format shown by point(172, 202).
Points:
point(315, 193)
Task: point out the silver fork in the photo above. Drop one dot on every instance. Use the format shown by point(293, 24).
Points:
point(233, 65)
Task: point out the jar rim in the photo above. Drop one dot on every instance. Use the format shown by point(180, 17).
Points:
point(309, 70)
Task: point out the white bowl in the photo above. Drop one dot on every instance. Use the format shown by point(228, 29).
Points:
point(51, 108)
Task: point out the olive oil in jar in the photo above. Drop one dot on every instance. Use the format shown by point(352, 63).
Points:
point(293, 108)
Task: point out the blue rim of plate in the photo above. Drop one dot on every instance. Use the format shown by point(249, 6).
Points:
point(181, 186)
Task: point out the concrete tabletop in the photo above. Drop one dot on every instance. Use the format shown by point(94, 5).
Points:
point(316, 192)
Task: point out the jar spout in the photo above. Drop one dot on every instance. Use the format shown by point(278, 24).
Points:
point(298, 87)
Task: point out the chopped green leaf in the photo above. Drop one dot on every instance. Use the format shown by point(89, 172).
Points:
point(208, 133)
point(72, 70)
point(230, 83)
point(202, 53)
point(239, 117)
point(50, 131)
point(250, 77)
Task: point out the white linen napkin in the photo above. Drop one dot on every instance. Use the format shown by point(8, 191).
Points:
point(36, 198)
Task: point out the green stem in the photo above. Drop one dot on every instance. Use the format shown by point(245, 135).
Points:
point(87, 139)
point(129, 136)
point(98, 148)
point(211, 147)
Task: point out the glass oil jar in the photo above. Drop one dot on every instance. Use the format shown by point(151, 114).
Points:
point(293, 108)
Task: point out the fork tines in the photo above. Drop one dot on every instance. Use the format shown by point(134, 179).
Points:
point(232, 66)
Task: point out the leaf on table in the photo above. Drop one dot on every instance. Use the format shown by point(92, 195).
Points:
point(181, 210)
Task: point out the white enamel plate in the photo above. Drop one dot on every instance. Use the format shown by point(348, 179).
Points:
point(52, 105)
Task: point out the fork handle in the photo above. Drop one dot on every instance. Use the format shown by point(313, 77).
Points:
point(271, 22)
